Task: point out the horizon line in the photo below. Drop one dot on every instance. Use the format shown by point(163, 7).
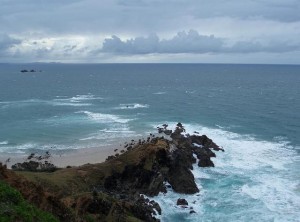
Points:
point(146, 63)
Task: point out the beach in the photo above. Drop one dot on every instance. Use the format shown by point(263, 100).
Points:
point(87, 111)
point(76, 157)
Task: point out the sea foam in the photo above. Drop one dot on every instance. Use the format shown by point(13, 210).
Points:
point(159, 93)
point(3, 142)
point(111, 134)
point(251, 175)
point(54, 102)
point(78, 100)
point(132, 106)
point(105, 118)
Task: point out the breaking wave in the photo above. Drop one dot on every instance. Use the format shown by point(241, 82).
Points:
point(132, 106)
point(255, 176)
point(159, 93)
point(75, 100)
point(3, 142)
point(105, 118)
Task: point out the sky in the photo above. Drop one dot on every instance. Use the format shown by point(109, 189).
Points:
point(141, 31)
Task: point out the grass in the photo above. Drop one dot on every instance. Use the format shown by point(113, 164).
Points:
point(70, 184)
point(72, 181)
point(13, 207)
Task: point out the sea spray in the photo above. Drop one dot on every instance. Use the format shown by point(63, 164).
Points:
point(251, 176)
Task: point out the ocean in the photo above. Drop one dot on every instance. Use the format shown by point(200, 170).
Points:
point(252, 111)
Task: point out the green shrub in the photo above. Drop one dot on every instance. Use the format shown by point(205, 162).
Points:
point(13, 207)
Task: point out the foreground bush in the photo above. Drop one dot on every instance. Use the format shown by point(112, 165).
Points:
point(14, 208)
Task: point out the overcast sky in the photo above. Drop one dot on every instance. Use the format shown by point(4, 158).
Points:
point(221, 31)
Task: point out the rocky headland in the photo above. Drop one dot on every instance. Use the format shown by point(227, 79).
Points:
point(119, 189)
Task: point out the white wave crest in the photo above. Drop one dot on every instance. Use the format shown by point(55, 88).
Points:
point(132, 106)
point(61, 103)
point(257, 171)
point(17, 148)
point(24, 147)
point(159, 93)
point(55, 102)
point(3, 142)
point(79, 98)
point(105, 118)
point(113, 133)
point(75, 100)
point(246, 151)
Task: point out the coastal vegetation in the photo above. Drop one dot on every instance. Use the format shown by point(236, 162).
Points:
point(119, 189)
point(13, 207)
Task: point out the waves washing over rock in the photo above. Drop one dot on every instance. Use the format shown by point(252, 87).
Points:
point(249, 110)
point(115, 189)
point(252, 176)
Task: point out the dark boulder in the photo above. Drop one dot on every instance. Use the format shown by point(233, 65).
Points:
point(205, 162)
point(180, 177)
point(182, 202)
point(168, 132)
point(182, 180)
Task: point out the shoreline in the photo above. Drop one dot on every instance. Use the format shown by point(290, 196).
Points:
point(74, 158)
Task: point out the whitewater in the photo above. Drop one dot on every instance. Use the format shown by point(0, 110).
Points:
point(252, 111)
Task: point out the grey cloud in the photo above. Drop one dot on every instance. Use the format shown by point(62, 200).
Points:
point(69, 48)
point(284, 11)
point(139, 45)
point(146, 16)
point(7, 42)
point(245, 27)
point(270, 47)
point(245, 47)
point(190, 42)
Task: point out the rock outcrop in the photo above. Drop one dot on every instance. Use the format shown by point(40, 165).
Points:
point(114, 190)
point(182, 202)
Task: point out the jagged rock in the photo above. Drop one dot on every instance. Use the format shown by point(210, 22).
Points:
point(182, 202)
point(168, 132)
point(111, 191)
point(205, 162)
point(165, 126)
point(179, 125)
point(205, 142)
point(180, 177)
point(155, 206)
point(182, 181)
point(143, 211)
point(136, 179)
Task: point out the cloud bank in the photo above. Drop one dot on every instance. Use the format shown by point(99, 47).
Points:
point(192, 42)
point(182, 42)
point(6, 43)
point(120, 30)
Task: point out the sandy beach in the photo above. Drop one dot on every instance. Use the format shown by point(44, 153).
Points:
point(72, 158)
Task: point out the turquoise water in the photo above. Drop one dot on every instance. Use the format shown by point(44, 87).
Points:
point(253, 111)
